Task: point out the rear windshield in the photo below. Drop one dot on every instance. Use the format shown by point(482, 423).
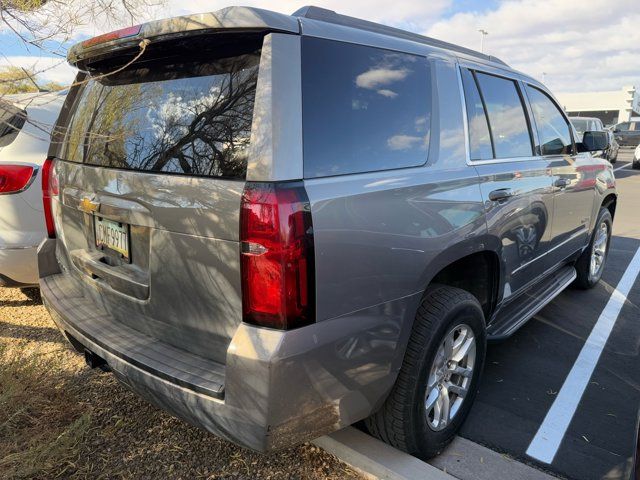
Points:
point(184, 114)
point(12, 119)
point(581, 126)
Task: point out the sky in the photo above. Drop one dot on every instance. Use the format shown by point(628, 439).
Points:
point(590, 45)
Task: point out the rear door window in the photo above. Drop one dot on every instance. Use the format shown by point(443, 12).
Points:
point(553, 130)
point(364, 109)
point(479, 137)
point(507, 120)
point(188, 115)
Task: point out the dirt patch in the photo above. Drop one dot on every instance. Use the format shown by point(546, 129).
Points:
point(58, 419)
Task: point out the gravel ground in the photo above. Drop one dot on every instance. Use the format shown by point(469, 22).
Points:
point(58, 419)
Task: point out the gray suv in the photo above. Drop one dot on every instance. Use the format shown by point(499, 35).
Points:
point(275, 226)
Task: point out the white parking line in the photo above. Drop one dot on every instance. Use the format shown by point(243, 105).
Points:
point(545, 444)
point(620, 168)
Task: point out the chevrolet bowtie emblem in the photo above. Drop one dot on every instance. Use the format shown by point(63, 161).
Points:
point(88, 205)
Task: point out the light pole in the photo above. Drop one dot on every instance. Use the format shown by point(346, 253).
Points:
point(544, 76)
point(483, 33)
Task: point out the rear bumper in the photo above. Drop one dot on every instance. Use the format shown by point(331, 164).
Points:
point(18, 266)
point(276, 389)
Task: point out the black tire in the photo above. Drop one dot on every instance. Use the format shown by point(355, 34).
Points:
point(403, 419)
point(585, 278)
point(635, 165)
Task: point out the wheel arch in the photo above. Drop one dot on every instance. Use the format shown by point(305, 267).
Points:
point(473, 266)
point(610, 202)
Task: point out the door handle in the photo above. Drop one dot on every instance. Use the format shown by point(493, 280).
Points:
point(561, 183)
point(501, 194)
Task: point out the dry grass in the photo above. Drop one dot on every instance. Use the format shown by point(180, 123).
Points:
point(58, 419)
point(40, 425)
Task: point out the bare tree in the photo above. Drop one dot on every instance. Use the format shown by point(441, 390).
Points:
point(24, 80)
point(37, 21)
point(48, 26)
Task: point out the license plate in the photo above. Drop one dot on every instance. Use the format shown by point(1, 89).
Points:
point(112, 235)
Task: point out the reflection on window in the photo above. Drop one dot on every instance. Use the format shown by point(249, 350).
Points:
point(191, 118)
point(579, 124)
point(364, 108)
point(506, 116)
point(553, 130)
point(12, 120)
point(479, 138)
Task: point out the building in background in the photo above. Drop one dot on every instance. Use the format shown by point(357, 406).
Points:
point(611, 107)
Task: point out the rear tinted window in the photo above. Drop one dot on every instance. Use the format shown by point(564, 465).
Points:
point(507, 120)
point(479, 138)
point(175, 115)
point(581, 126)
point(364, 109)
point(12, 119)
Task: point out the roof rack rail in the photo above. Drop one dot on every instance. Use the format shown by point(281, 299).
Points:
point(329, 16)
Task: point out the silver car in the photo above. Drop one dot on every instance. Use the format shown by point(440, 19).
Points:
point(275, 226)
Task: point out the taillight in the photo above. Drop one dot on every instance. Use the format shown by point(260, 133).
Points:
point(14, 178)
point(277, 259)
point(49, 190)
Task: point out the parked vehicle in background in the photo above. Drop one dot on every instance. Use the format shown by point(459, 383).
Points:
point(636, 158)
point(584, 124)
point(397, 201)
point(26, 121)
point(611, 153)
point(627, 133)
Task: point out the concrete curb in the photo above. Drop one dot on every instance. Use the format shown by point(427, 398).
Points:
point(468, 460)
point(375, 459)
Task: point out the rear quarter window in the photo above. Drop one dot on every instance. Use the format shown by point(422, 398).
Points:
point(364, 109)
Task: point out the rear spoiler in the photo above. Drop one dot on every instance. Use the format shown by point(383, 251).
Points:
point(227, 19)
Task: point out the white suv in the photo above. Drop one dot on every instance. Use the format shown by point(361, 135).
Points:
point(25, 125)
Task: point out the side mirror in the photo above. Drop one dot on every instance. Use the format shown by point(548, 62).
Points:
point(594, 141)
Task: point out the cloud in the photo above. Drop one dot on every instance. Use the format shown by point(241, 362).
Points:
point(404, 142)
point(578, 49)
point(378, 77)
point(594, 47)
point(387, 93)
point(359, 105)
point(405, 13)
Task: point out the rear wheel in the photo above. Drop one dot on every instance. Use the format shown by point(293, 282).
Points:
point(439, 376)
point(590, 264)
point(636, 164)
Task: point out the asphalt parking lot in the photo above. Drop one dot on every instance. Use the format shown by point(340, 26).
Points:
point(525, 375)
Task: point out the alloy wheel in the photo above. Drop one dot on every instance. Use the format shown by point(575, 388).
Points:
point(599, 250)
point(450, 376)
